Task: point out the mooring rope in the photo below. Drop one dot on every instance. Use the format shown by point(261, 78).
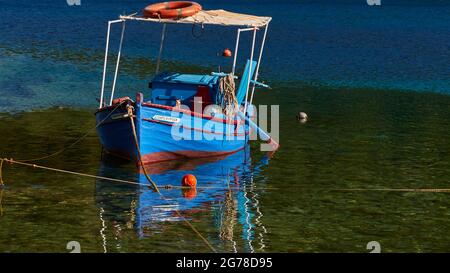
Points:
point(397, 190)
point(76, 141)
point(133, 127)
point(12, 161)
point(166, 187)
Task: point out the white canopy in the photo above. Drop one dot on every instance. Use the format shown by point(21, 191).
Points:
point(212, 17)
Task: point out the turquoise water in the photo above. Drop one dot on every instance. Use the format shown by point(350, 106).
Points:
point(374, 81)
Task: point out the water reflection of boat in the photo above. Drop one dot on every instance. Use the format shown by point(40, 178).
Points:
point(225, 191)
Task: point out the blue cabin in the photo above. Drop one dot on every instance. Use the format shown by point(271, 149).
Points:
point(168, 87)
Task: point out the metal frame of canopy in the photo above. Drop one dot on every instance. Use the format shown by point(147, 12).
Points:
point(248, 23)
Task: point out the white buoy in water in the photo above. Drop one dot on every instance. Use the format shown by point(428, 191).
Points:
point(302, 117)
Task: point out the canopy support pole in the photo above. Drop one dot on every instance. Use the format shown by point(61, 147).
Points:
point(236, 51)
point(163, 34)
point(117, 63)
point(106, 61)
point(236, 48)
point(250, 69)
point(259, 62)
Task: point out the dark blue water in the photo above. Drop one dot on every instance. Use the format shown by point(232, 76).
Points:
point(48, 48)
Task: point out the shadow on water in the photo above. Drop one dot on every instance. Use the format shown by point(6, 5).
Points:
point(224, 194)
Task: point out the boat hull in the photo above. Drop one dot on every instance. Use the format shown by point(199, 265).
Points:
point(168, 133)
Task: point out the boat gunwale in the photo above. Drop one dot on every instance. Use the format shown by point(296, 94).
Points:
point(189, 112)
point(196, 129)
point(180, 110)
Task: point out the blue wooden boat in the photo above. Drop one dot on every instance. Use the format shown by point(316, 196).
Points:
point(172, 120)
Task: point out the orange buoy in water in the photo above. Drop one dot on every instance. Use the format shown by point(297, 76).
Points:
point(189, 180)
point(189, 193)
point(227, 52)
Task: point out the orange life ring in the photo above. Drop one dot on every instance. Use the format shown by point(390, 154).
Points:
point(172, 10)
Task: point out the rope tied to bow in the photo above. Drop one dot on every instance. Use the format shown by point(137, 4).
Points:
point(136, 142)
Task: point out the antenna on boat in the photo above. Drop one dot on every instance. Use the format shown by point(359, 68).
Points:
point(202, 29)
point(163, 34)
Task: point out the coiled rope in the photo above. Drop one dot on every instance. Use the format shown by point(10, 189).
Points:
point(226, 98)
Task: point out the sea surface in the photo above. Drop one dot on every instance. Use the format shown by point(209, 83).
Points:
point(374, 80)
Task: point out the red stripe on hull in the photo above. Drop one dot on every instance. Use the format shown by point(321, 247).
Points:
point(166, 156)
point(180, 164)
